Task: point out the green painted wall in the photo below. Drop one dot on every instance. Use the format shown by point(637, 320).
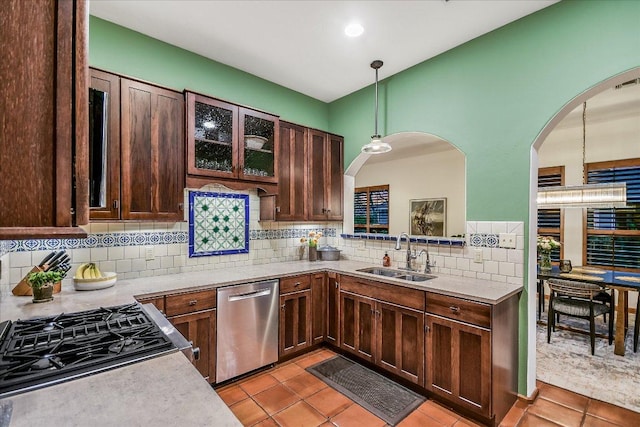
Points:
point(492, 96)
point(120, 50)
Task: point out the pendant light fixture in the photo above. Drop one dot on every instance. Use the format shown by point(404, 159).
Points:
point(376, 146)
point(607, 195)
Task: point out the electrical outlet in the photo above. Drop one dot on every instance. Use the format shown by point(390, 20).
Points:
point(477, 255)
point(508, 240)
point(148, 253)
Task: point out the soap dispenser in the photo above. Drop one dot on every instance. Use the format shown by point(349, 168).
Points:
point(386, 261)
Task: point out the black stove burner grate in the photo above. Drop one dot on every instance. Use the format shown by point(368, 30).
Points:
point(44, 351)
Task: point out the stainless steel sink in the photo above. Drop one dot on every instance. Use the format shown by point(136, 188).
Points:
point(380, 271)
point(395, 274)
point(415, 277)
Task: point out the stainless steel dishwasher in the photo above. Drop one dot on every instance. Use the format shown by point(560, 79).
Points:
point(247, 328)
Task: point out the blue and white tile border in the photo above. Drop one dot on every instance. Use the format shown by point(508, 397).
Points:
point(484, 240)
point(109, 240)
point(446, 241)
point(5, 247)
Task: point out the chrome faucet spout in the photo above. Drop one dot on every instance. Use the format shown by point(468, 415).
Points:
point(427, 265)
point(410, 255)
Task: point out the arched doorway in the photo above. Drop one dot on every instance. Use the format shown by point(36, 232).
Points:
point(577, 371)
point(419, 166)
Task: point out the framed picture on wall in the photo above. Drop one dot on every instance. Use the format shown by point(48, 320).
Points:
point(428, 217)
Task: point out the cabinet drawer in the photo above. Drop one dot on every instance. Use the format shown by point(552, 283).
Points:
point(188, 303)
point(295, 283)
point(157, 301)
point(395, 294)
point(459, 309)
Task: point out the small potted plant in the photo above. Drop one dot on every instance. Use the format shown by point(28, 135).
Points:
point(41, 283)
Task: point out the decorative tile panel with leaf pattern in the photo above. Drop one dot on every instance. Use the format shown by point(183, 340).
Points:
point(218, 223)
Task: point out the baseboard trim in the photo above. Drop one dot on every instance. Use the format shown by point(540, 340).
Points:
point(529, 399)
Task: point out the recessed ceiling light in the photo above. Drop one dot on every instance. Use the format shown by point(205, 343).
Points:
point(354, 29)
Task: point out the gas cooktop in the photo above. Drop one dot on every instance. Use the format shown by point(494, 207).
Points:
point(43, 351)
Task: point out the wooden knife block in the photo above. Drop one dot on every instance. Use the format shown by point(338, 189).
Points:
point(23, 288)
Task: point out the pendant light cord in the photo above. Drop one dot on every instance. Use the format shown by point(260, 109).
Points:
point(376, 122)
point(584, 142)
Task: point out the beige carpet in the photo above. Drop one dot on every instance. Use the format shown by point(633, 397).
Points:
point(567, 362)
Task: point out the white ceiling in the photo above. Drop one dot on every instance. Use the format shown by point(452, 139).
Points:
point(301, 44)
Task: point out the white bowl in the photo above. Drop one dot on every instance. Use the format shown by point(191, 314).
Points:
point(107, 280)
point(254, 141)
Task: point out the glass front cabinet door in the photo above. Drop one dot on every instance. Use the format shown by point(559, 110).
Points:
point(227, 141)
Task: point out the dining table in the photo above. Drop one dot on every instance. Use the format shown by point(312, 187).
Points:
point(622, 282)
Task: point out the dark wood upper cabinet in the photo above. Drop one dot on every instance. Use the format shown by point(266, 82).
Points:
point(229, 142)
point(152, 152)
point(104, 145)
point(292, 173)
point(325, 177)
point(136, 150)
point(43, 99)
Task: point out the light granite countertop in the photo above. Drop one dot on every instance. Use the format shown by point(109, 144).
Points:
point(124, 291)
point(168, 390)
point(163, 391)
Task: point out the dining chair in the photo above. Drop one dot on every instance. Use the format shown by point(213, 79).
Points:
point(577, 299)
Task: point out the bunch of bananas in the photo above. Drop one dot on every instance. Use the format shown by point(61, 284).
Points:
point(88, 270)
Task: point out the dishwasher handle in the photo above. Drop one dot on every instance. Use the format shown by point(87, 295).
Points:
point(249, 295)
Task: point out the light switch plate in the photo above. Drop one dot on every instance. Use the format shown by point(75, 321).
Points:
point(148, 253)
point(477, 255)
point(507, 240)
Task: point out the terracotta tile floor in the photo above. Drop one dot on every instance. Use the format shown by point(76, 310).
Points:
point(288, 396)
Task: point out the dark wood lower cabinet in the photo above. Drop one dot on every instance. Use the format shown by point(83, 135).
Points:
point(200, 329)
point(357, 330)
point(388, 335)
point(333, 309)
point(318, 308)
point(400, 341)
point(459, 363)
point(295, 322)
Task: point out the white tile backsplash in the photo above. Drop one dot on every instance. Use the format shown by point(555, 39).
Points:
point(499, 264)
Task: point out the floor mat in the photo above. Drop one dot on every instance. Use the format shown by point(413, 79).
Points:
point(379, 395)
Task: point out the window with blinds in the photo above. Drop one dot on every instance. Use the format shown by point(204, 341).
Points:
point(613, 235)
point(550, 221)
point(371, 209)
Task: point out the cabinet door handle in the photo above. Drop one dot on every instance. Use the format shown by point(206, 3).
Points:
point(282, 307)
point(277, 209)
point(454, 309)
point(427, 328)
point(296, 284)
point(193, 302)
point(337, 284)
point(181, 206)
point(116, 204)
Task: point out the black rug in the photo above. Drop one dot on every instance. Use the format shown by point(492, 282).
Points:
point(379, 395)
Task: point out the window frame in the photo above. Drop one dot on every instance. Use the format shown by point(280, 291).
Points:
point(547, 171)
point(635, 162)
point(368, 226)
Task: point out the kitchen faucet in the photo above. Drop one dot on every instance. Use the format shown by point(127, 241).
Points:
point(410, 255)
point(427, 265)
